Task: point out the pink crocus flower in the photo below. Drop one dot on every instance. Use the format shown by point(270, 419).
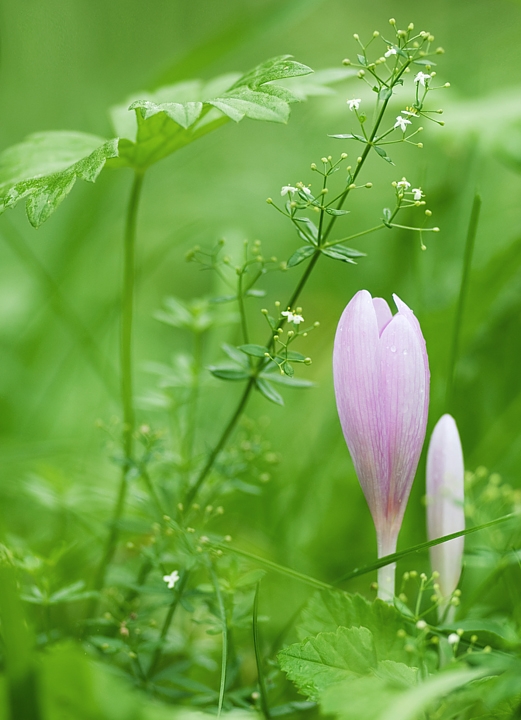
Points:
point(381, 374)
point(445, 512)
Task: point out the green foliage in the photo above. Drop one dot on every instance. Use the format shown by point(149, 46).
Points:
point(44, 168)
point(174, 116)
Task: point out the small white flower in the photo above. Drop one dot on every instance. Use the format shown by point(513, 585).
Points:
point(171, 579)
point(306, 190)
point(421, 624)
point(422, 78)
point(391, 51)
point(417, 193)
point(291, 317)
point(288, 189)
point(354, 104)
point(402, 123)
point(403, 184)
point(409, 113)
point(453, 639)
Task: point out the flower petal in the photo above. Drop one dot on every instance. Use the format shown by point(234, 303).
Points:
point(356, 389)
point(445, 496)
point(383, 313)
point(403, 388)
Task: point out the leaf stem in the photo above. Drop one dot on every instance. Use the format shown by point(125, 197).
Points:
point(127, 311)
point(465, 275)
point(224, 622)
point(258, 659)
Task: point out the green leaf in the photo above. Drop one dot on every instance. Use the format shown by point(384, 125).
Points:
point(173, 116)
point(288, 369)
point(337, 252)
point(310, 230)
point(268, 391)
point(362, 60)
point(45, 166)
point(293, 356)
point(300, 255)
point(254, 350)
point(250, 578)
point(329, 658)
point(383, 154)
point(349, 136)
point(326, 611)
point(425, 62)
point(235, 354)
point(385, 94)
point(334, 211)
point(387, 215)
point(228, 372)
point(276, 377)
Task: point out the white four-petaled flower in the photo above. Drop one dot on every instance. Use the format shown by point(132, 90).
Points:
point(292, 317)
point(171, 579)
point(403, 184)
point(288, 189)
point(402, 123)
point(422, 78)
point(354, 104)
point(391, 51)
point(417, 193)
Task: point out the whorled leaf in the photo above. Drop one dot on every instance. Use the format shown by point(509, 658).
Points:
point(45, 166)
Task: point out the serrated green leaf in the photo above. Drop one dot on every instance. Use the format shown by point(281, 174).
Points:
point(254, 350)
point(268, 391)
point(326, 611)
point(174, 116)
point(45, 166)
point(300, 255)
point(336, 253)
point(227, 372)
point(330, 657)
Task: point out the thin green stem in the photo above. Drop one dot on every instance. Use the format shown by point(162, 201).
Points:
point(242, 309)
point(224, 622)
point(126, 375)
point(356, 235)
point(465, 275)
point(178, 593)
point(258, 657)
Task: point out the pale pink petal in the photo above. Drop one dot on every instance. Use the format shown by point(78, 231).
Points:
point(383, 313)
point(402, 392)
point(445, 495)
point(356, 390)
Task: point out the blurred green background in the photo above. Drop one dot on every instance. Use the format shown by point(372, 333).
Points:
point(64, 63)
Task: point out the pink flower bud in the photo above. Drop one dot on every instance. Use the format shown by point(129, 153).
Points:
point(445, 512)
point(381, 375)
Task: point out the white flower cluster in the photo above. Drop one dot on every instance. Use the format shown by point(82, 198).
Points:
point(292, 317)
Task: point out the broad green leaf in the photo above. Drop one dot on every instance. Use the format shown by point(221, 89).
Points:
point(174, 116)
point(268, 391)
point(254, 350)
point(326, 611)
point(368, 697)
point(329, 658)
point(300, 255)
point(337, 252)
point(45, 166)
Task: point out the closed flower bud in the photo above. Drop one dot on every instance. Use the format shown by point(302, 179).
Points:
point(381, 375)
point(445, 514)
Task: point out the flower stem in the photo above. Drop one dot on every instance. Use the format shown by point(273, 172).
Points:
point(127, 312)
point(387, 573)
point(168, 621)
